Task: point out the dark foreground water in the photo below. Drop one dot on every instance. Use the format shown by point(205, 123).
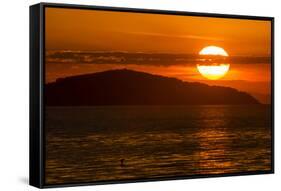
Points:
point(86, 144)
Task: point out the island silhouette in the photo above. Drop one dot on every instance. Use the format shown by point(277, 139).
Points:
point(129, 87)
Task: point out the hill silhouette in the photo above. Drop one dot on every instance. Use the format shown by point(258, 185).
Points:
point(128, 87)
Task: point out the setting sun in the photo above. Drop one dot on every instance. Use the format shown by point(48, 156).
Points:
point(214, 51)
point(211, 70)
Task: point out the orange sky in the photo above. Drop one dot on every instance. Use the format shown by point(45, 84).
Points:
point(88, 30)
point(106, 30)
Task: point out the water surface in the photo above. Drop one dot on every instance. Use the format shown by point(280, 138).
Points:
point(86, 144)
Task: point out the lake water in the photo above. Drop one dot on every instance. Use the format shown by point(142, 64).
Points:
point(87, 144)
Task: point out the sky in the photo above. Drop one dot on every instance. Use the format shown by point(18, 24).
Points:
point(86, 41)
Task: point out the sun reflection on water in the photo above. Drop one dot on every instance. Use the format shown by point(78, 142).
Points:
point(213, 142)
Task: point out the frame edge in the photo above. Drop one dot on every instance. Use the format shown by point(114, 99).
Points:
point(35, 135)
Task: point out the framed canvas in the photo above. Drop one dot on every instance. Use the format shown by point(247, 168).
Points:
point(126, 95)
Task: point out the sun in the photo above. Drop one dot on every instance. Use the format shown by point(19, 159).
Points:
point(214, 51)
point(210, 68)
point(213, 72)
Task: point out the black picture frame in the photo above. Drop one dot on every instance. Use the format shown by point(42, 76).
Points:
point(37, 55)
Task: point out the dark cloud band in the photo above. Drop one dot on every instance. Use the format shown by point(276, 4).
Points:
point(140, 58)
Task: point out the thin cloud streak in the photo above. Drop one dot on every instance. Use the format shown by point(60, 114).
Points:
point(197, 37)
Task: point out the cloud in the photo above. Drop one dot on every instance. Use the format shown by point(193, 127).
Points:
point(140, 58)
point(197, 37)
